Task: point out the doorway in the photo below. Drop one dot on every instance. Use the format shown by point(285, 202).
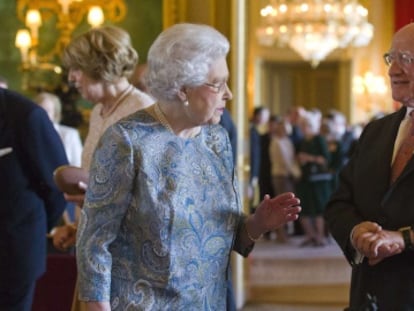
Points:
point(288, 84)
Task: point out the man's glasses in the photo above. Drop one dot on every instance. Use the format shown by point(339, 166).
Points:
point(217, 87)
point(404, 59)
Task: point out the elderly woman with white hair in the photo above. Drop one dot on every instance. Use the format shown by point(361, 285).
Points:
point(162, 210)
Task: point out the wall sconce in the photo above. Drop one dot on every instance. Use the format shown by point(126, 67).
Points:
point(67, 16)
point(369, 83)
point(95, 16)
point(24, 42)
point(370, 94)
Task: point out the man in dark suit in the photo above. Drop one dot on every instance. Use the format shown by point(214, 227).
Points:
point(371, 216)
point(30, 203)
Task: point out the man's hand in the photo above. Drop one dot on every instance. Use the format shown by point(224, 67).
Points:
point(388, 243)
point(376, 244)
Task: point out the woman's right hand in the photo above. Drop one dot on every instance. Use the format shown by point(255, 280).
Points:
point(273, 213)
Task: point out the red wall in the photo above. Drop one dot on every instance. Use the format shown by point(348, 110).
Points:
point(404, 13)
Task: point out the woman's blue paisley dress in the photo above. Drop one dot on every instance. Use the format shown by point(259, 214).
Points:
point(160, 218)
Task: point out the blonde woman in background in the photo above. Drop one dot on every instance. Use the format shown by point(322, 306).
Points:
point(100, 62)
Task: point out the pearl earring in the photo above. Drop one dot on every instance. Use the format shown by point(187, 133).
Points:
point(186, 103)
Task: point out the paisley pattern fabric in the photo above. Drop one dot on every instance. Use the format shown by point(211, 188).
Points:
point(160, 218)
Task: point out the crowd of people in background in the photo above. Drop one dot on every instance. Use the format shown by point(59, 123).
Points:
point(301, 151)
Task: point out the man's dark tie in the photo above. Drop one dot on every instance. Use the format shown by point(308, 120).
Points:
point(405, 151)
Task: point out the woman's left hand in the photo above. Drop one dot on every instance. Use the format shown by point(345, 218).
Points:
point(273, 213)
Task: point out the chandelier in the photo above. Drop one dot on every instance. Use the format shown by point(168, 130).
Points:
point(60, 18)
point(314, 28)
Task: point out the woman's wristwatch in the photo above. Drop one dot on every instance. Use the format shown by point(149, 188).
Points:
point(406, 234)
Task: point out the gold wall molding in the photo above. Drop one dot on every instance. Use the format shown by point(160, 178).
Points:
point(215, 13)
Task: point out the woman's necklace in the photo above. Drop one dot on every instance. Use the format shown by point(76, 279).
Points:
point(161, 117)
point(120, 99)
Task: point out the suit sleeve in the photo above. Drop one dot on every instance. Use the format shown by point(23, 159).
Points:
point(45, 153)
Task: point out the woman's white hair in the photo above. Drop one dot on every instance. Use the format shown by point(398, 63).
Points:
point(181, 56)
point(312, 119)
point(55, 100)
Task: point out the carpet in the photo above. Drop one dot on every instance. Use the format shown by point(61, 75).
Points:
point(293, 274)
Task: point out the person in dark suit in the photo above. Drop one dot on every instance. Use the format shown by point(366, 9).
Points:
point(227, 122)
point(260, 117)
point(30, 203)
point(265, 176)
point(370, 216)
point(295, 114)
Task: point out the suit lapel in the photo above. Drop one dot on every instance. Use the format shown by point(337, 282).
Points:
point(396, 120)
point(408, 168)
point(388, 134)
